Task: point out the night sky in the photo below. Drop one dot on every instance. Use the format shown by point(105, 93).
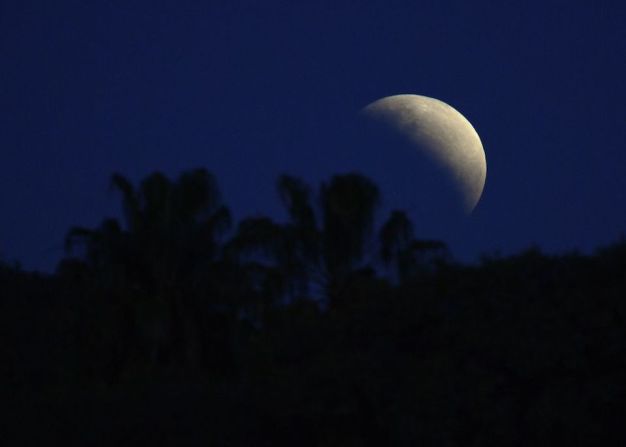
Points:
point(253, 89)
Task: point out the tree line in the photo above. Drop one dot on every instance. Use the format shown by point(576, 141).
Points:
point(321, 330)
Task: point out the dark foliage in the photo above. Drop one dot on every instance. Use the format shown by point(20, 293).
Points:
point(319, 331)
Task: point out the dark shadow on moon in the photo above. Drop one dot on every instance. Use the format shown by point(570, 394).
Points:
point(408, 178)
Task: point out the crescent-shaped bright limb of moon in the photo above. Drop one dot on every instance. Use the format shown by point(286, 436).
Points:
point(443, 134)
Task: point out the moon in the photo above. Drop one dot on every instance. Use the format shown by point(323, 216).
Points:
point(442, 134)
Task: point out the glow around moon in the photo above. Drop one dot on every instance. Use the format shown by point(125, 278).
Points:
point(441, 133)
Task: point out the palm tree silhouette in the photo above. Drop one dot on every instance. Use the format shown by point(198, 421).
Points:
point(348, 203)
point(164, 253)
point(324, 239)
point(395, 237)
point(402, 252)
point(327, 250)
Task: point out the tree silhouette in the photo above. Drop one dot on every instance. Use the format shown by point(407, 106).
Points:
point(162, 317)
point(348, 205)
point(161, 257)
point(395, 236)
point(328, 238)
point(320, 245)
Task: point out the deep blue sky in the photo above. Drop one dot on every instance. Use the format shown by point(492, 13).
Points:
point(252, 89)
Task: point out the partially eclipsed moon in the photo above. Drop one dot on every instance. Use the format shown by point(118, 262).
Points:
point(441, 133)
